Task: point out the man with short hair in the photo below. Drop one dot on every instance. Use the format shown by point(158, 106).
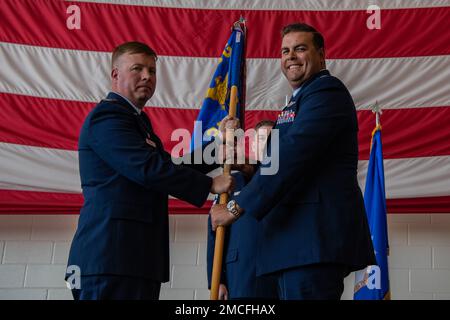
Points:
point(238, 278)
point(312, 229)
point(121, 245)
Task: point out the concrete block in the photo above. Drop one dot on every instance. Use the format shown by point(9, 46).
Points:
point(398, 234)
point(15, 227)
point(430, 281)
point(412, 296)
point(23, 294)
point(399, 281)
point(440, 218)
point(183, 253)
point(429, 235)
point(176, 294)
point(441, 257)
point(59, 294)
point(28, 252)
point(410, 257)
point(409, 218)
point(61, 252)
point(12, 276)
point(172, 219)
point(45, 276)
point(2, 246)
point(441, 296)
point(191, 228)
point(189, 277)
point(54, 227)
point(201, 294)
point(201, 257)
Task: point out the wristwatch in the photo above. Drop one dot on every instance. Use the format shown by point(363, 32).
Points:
point(233, 208)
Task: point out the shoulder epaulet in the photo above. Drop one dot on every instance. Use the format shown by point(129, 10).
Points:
point(110, 100)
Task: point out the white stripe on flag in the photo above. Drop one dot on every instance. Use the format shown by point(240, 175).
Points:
point(84, 76)
point(38, 169)
point(45, 169)
point(412, 177)
point(322, 5)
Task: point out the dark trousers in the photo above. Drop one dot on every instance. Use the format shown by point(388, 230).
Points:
point(311, 282)
point(265, 288)
point(112, 287)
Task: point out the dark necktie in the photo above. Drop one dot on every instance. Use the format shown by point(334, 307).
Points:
point(292, 99)
point(149, 129)
point(147, 124)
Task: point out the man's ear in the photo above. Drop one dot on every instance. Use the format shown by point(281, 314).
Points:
point(322, 57)
point(114, 74)
point(322, 53)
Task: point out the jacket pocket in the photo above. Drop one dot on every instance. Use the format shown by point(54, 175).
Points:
point(129, 211)
point(232, 255)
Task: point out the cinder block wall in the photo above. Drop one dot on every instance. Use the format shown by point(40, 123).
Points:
point(34, 248)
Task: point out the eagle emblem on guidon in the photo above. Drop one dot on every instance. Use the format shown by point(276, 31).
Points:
point(219, 92)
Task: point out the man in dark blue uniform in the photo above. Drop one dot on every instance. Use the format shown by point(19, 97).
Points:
point(312, 229)
point(121, 246)
point(238, 279)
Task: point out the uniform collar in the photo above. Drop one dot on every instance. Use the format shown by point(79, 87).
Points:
point(296, 91)
point(321, 73)
point(115, 95)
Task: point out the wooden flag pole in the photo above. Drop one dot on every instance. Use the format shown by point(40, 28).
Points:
point(220, 231)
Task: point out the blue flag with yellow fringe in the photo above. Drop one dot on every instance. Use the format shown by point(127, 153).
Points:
point(372, 283)
point(217, 99)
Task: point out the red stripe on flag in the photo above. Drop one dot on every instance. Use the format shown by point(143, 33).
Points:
point(51, 123)
point(41, 122)
point(419, 205)
point(407, 133)
point(32, 202)
point(184, 32)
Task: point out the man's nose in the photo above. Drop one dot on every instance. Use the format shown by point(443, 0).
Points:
point(291, 55)
point(145, 75)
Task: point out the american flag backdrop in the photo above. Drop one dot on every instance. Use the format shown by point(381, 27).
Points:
point(55, 66)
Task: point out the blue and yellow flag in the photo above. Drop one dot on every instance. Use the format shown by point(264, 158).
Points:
point(372, 283)
point(216, 103)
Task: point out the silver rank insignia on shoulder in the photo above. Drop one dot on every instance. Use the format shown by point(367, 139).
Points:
point(110, 100)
